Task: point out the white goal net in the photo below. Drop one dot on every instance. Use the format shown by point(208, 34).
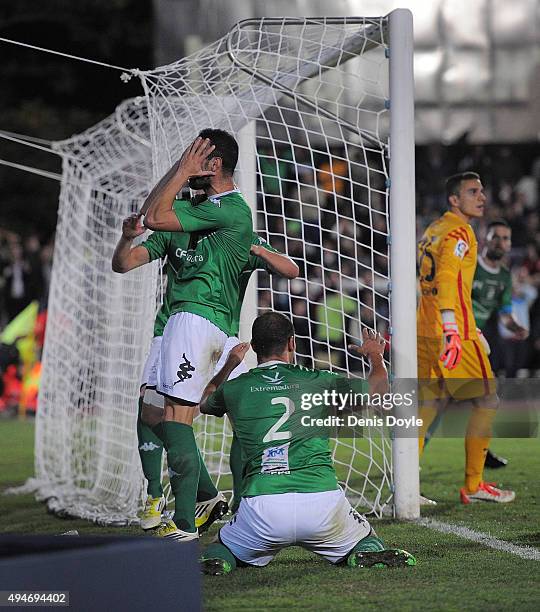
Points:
point(308, 100)
point(99, 326)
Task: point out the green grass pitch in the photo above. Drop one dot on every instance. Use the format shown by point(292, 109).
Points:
point(453, 573)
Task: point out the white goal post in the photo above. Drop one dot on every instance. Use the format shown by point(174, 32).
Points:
point(323, 108)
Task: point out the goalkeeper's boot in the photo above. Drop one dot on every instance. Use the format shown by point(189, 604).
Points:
point(392, 557)
point(494, 462)
point(170, 531)
point(425, 501)
point(487, 492)
point(215, 567)
point(209, 511)
point(151, 516)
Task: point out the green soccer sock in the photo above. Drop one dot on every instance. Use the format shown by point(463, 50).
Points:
point(235, 463)
point(184, 468)
point(370, 544)
point(206, 489)
point(218, 551)
point(151, 454)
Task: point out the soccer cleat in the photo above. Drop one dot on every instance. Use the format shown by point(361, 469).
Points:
point(425, 501)
point(151, 516)
point(487, 492)
point(494, 462)
point(170, 531)
point(209, 511)
point(392, 557)
point(215, 567)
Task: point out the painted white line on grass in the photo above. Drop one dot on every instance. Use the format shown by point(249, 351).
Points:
point(525, 552)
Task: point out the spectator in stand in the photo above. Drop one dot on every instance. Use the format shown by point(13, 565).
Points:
point(16, 277)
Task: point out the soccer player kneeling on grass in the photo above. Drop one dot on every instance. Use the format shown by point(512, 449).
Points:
point(291, 495)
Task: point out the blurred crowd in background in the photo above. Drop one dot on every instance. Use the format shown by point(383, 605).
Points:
point(315, 210)
point(334, 251)
point(25, 272)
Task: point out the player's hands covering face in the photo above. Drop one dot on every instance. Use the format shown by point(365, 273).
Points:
point(194, 159)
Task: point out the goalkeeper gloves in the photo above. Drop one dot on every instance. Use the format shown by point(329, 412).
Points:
point(451, 353)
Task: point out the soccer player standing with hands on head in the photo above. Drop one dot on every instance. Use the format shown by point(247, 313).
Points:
point(169, 246)
point(447, 261)
point(202, 301)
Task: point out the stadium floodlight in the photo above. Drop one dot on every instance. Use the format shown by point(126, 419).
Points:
point(323, 108)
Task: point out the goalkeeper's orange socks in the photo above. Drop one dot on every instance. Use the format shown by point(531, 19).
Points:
point(150, 452)
point(184, 469)
point(477, 442)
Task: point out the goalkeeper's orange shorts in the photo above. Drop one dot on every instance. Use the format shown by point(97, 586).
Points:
point(470, 379)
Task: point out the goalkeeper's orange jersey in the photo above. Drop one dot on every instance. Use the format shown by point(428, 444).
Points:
point(447, 261)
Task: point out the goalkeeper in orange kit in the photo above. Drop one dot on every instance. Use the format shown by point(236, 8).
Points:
point(452, 362)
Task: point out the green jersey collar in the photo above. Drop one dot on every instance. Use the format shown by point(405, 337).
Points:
point(274, 362)
point(215, 198)
point(487, 267)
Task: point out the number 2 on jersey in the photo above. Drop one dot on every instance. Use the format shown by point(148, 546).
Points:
point(273, 435)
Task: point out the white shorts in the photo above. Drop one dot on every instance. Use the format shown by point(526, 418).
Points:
point(324, 523)
point(149, 375)
point(190, 349)
point(230, 344)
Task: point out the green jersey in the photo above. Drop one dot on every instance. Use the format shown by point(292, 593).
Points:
point(254, 263)
point(170, 245)
point(266, 406)
point(491, 291)
point(207, 281)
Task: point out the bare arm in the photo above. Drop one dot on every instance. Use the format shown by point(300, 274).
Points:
point(233, 361)
point(373, 349)
point(277, 262)
point(520, 332)
point(126, 257)
point(157, 207)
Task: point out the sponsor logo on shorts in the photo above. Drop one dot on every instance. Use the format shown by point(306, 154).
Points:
point(357, 517)
point(184, 370)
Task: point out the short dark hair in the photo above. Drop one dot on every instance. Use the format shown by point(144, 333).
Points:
point(226, 148)
point(453, 183)
point(497, 223)
point(270, 333)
